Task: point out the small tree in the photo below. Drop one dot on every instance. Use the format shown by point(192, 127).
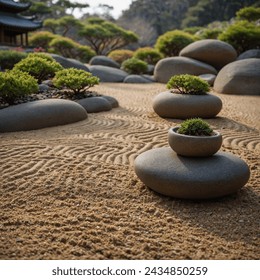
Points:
point(74, 79)
point(42, 39)
point(172, 42)
point(121, 55)
point(62, 25)
point(104, 36)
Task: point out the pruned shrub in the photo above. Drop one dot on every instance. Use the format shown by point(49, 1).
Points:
point(42, 55)
point(210, 33)
point(195, 127)
point(120, 55)
point(38, 67)
point(249, 13)
point(149, 55)
point(74, 79)
point(70, 49)
point(188, 84)
point(242, 35)
point(172, 42)
point(134, 66)
point(9, 58)
point(41, 39)
point(15, 84)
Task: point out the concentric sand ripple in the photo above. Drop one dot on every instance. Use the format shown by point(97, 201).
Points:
point(70, 192)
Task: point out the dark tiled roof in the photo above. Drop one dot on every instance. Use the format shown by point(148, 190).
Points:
point(18, 22)
point(11, 5)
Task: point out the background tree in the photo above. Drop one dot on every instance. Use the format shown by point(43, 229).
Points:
point(104, 36)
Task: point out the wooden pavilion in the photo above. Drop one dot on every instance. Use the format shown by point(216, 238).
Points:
point(14, 28)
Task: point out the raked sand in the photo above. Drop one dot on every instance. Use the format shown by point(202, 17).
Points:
point(70, 192)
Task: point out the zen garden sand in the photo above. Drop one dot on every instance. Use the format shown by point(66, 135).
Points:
point(70, 192)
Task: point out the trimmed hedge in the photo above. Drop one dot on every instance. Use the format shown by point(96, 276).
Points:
point(149, 55)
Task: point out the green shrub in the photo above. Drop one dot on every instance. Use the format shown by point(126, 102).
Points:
point(41, 39)
point(149, 55)
point(74, 79)
point(188, 84)
point(172, 42)
point(42, 55)
point(70, 49)
point(242, 35)
point(38, 67)
point(210, 33)
point(249, 13)
point(134, 66)
point(195, 127)
point(9, 58)
point(193, 29)
point(15, 84)
point(120, 55)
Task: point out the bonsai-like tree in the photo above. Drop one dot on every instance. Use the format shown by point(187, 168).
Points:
point(104, 36)
point(195, 127)
point(188, 84)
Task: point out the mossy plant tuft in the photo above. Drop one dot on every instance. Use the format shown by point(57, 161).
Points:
point(188, 84)
point(195, 127)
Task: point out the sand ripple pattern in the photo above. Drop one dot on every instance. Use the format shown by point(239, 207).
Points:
point(73, 190)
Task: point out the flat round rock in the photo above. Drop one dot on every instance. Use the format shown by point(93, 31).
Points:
point(40, 114)
point(165, 172)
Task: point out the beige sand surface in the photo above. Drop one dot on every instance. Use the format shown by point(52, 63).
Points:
point(70, 192)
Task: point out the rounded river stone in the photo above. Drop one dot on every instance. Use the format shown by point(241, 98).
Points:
point(184, 106)
point(40, 114)
point(165, 172)
point(95, 104)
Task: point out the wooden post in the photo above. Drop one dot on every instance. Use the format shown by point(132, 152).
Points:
point(26, 39)
point(22, 39)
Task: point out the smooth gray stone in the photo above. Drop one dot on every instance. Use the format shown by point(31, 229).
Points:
point(241, 77)
point(149, 77)
point(69, 62)
point(104, 60)
point(114, 103)
point(136, 79)
point(213, 52)
point(108, 74)
point(150, 69)
point(171, 66)
point(165, 172)
point(184, 106)
point(254, 53)
point(209, 78)
point(40, 114)
point(95, 104)
point(43, 87)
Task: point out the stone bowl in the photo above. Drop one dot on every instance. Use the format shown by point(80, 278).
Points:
point(194, 146)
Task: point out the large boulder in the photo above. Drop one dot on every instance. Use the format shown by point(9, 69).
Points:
point(240, 77)
point(69, 62)
point(170, 66)
point(213, 52)
point(95, 104)
point(104, 60)
point(254, 53)
point(40, 114)
point(108, 74)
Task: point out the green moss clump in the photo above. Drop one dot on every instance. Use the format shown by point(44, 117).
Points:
point(15, 84)
point(188, 84)
point(195, 127)
point(74, 79)
point(134, 66)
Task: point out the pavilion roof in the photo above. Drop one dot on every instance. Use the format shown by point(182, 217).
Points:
point(17, 22)
point(12, 6)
